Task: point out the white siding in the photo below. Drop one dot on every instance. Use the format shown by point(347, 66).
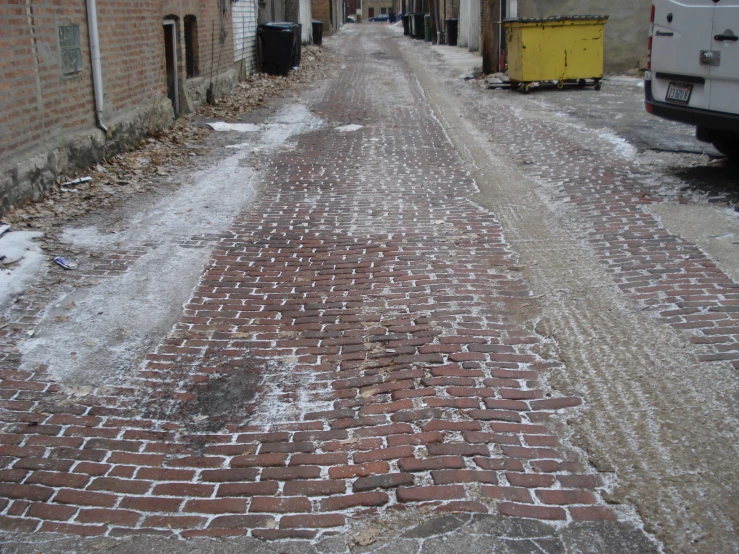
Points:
point(244, 18)
point(463, 29)
point(306, 22)
point(473, 38)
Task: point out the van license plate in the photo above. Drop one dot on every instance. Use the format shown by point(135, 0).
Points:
point(679, 93)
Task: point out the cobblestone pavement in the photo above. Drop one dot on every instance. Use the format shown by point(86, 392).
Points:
point(363, 364)
point(643, 319)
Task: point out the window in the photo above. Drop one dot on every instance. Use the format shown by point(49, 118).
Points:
point(69, 45)
point(383, 10)
point(191, 46)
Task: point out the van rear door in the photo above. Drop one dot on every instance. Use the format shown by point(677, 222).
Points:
point(725, 75)
point(682, 29)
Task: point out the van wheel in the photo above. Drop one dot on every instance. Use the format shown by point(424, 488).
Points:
point(726, 143)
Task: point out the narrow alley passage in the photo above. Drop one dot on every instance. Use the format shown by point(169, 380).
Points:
point(402, 346)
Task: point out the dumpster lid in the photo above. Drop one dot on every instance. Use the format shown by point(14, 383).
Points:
point(555, 18)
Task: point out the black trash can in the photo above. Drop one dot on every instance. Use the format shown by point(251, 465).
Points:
point(419, 26)
point(317, 32)
point(298, 43)
point(406, 24)
point(452, 27)
point(276, 45)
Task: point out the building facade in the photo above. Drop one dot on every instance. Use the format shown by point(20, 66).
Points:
point(82, 80)
point(371, 8)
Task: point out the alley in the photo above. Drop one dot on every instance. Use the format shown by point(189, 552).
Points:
point(428, 322)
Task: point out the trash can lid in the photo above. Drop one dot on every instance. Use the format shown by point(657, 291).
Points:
point(279, 25)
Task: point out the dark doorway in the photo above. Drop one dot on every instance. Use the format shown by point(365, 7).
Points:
point(370, 12)
point(191, 46)
point(170, 53)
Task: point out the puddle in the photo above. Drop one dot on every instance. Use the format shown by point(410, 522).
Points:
point(227, 397)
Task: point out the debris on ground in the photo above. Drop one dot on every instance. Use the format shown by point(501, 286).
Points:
point(66, 263)
point(349, 128)
point(238, 127)
point(497, 80)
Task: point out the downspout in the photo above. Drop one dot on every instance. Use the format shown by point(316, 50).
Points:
point(97, 72)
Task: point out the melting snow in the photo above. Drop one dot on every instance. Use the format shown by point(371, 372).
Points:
point(98, 335)
point(238, 127)
point(26, 259)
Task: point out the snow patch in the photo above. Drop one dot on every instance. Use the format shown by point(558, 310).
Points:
point(238, 127)
point(349, 128)
point(99, 335)
point(25, 258)
point(622, 146)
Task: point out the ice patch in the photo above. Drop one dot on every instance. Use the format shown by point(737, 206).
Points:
point(238, 127)
point(349, 128)
point(16, 276)
point(622, 146)
point(99, 335)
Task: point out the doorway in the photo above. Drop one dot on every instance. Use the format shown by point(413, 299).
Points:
point(370, 12)
point(170, 54)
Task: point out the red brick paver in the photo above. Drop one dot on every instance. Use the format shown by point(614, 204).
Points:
point(364, 310)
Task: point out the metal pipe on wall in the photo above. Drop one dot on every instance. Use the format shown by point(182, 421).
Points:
point(97, 72)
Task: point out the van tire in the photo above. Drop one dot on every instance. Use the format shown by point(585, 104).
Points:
point(727, 143)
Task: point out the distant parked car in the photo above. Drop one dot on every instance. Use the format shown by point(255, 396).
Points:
point(381, 17)
point(350, 19)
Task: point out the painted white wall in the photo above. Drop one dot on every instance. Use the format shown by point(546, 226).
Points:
point(244, 18)
point(473, 38)
point(464, 24)
point(306, 19)
point(512, 9)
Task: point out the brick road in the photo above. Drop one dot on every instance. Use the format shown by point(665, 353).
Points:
point(361, 345)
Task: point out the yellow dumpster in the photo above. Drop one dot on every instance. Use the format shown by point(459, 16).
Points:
point(561, 48)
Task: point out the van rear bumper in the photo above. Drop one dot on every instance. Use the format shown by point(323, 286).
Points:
point(693, 116)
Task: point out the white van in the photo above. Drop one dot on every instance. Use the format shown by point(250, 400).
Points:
point(693, 71)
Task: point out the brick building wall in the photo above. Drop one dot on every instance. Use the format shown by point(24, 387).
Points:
point(449, 9)
point(377, 7)
point(322, 12)
point(37, 100)
point(330, 13)
point(47, 107)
